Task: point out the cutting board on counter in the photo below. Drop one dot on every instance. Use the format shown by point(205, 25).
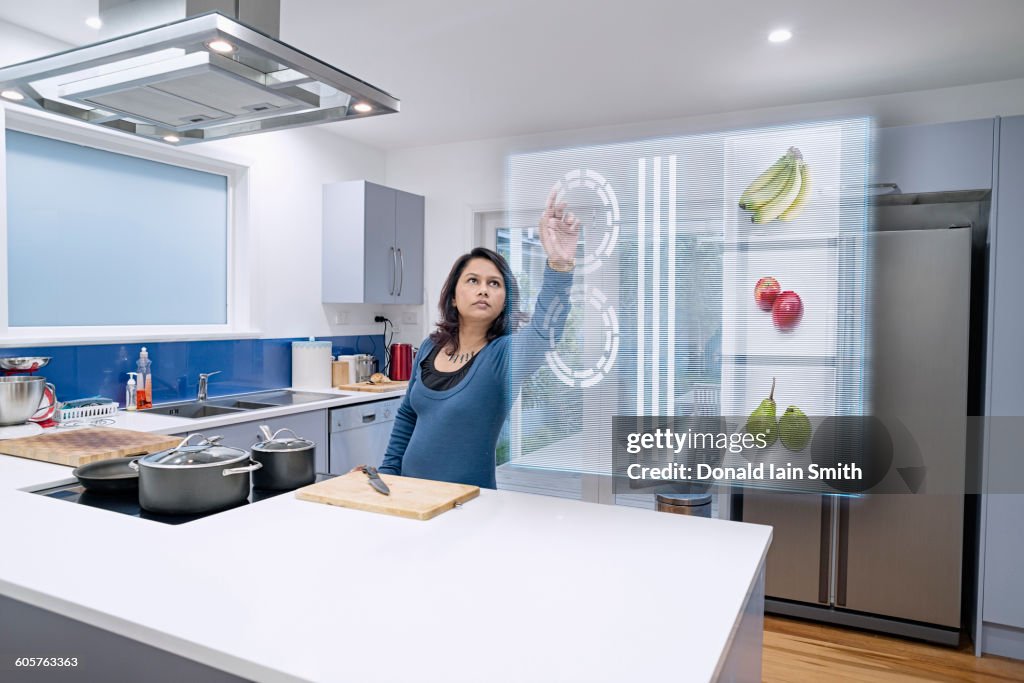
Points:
point(411, 498)
point(76, 447)
point(376, 388)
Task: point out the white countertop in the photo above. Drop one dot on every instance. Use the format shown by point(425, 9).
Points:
point(510, 587)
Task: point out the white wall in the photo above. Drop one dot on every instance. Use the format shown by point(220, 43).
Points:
point(458, 179)
point(287, 172)
point(19, 44)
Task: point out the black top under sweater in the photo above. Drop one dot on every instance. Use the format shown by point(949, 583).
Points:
point(441, 381)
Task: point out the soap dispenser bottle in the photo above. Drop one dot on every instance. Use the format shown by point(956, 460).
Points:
point(130, 397)
point(144, 390)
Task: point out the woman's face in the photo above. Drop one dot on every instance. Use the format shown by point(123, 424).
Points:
point(480, 292)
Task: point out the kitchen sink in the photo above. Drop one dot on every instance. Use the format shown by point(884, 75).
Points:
point(193, 409)
point(284, 398)
point(241, 405)
point(228, 405)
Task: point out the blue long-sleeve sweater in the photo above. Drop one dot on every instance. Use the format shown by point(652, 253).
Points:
point(451, 435)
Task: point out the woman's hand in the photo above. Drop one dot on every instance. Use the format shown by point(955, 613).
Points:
point(559, 233)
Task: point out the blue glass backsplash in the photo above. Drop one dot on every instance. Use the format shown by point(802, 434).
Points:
point(245, 364)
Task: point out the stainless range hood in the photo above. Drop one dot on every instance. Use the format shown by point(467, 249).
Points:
point(204, 77)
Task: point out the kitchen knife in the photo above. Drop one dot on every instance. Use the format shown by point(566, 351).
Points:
point(375, 481)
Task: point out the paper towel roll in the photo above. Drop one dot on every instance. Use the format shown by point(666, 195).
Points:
point(311, 365)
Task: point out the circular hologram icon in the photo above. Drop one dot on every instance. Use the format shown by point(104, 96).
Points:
point(578, 188)
point(597, 349)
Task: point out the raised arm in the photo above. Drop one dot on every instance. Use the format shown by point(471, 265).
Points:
point(528, 347)
point(559, 235)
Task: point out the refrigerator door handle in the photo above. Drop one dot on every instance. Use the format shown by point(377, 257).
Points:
point(825, 560)
point(843, 550)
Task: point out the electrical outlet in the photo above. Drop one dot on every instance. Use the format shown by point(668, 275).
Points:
point(341, 317)
point(375, 314)
point(410, 318)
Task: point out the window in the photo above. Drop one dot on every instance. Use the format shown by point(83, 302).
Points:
point(125, 241)
point(113, 238)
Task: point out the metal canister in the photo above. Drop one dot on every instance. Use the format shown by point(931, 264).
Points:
point(366, 365)
point(694, 504)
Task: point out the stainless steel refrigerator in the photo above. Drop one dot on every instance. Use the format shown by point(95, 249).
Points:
point(893, 562)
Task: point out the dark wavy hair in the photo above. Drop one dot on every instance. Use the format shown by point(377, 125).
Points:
point(447, 333)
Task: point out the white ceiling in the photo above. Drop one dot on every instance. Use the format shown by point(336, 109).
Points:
point(472, 69)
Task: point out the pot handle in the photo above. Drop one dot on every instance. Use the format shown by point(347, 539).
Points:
point(241, 470)
point(134, 465)
point(212, 440)
point(295, 437)
point(265, 431)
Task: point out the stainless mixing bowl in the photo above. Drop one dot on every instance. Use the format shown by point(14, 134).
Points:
point(20, 397)
point(24, 363)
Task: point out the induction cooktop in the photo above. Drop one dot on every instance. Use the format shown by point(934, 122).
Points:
point(127, 503)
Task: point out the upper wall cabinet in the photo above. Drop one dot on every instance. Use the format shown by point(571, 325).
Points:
point(936, 158)
point(372, 244)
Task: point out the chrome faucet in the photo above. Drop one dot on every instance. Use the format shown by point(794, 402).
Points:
point(203, 381)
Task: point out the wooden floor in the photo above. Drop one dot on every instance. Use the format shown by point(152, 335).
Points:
point(797, 651)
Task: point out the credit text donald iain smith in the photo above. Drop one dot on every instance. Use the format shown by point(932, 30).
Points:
point(667, 440)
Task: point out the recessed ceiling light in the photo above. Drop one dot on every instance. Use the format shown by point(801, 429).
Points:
point(172, 138)
point(362, 107)
point(780, 35)
point(94, 22)
point(221, 46)
point(12, 95)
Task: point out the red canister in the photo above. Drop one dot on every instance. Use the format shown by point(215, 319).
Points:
point(401, 362)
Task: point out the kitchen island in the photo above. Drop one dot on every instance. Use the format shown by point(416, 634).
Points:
point(510, 587)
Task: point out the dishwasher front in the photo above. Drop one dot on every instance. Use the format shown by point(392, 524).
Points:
point(360, 434)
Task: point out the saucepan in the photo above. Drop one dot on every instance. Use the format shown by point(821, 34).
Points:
point(288, 463)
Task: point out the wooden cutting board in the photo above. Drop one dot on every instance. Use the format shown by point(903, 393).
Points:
point(411, 498)
point(376, 388)
point(76, 447)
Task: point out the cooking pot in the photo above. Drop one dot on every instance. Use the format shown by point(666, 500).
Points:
point(287, 463)
point(20, 399)
point(192, 479)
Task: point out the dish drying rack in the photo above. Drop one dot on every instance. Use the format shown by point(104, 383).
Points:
point(86, 409)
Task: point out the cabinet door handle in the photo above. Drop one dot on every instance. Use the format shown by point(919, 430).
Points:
point(394, 271)
point(401, 280)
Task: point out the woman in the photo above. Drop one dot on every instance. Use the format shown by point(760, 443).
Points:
point(469, 371)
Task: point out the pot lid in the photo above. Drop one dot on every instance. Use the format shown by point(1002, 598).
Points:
point(203, 454)
point(280, 444)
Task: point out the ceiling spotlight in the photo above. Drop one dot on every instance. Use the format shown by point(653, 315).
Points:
point(362, 107)
point(172, 138)
point(780, 35)
point(94, 22)
point(221, 46)
point(13, 95)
